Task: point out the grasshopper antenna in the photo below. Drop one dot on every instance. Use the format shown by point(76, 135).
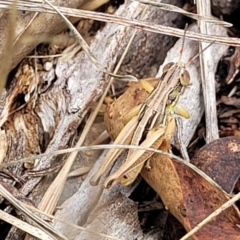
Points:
point(183, 42)
point(197, 55)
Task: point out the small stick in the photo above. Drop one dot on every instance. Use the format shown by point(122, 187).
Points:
point(208, 76)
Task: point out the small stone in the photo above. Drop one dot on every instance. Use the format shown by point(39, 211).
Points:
point(48, 66)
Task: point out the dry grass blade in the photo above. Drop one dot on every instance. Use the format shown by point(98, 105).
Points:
point(49, 200)
point(88, 51)
point(226, 205)
point(173, 8)
point(150, 27)
point(34, 231)
point(97, 147)
point(42, 224)
point(85, 148)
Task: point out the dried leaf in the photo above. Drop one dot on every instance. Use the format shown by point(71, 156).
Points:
point(221, 161)
point(190, 198)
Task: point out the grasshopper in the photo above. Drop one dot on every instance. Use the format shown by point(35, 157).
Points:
point(147, 129)
point(152, 120)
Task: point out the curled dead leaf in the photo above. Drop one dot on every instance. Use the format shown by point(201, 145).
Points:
point(191, 198)
point(221, 161)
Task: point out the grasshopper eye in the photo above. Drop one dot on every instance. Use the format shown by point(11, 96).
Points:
point(167, 67)
point(230, 51)
point(185, 78)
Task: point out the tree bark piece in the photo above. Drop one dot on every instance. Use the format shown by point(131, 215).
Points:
point(208, 74)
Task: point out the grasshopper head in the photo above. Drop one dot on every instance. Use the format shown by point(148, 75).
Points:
point(184, 75)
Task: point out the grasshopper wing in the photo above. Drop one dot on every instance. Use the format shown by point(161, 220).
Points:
point(124, 137)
